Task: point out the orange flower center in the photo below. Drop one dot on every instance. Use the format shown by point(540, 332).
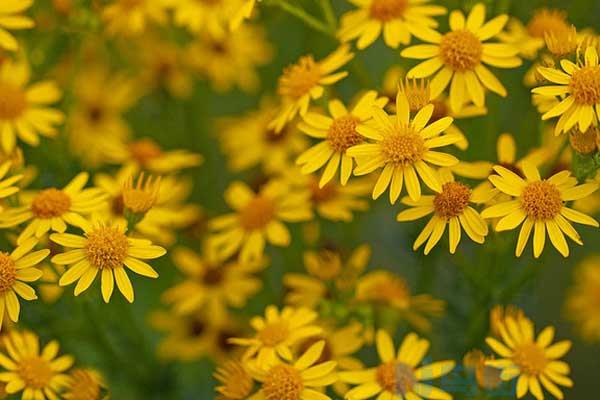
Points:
point(386, 10)
point(585, 85)
point(298, 79)
point(530, 358)
point(274, 333)
point(283, 382)
point(144, 150)
point(8, 272)
point(257, 213)
point(461, 50)
point(396, 377)
point(342, 133)
point(107, 247)
point(546, 21)
point(541, 200)
point(50, 203)
point(403, 146)
point(36, 372)
point(12, 101)
point(452, 200)
point(83, 387)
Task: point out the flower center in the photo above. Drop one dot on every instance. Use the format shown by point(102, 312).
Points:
point(144, 150)
point(461, 50)
point(36, 372)
point(50, 203)
point(541, 200)
point(274, 333)
point(283, 383)
point(258, 213)
point(106, 247)
point(452, 200)
point(585, 85)
point(342, 133)
point(298, 79)
point(584, 142)
point(83, 386)
point(403, 147)
point(386, 10)
point(396, 377)
point(12, 101)
point(8, 272)
point(530, 358)
point(213, 276)
point(546, 21)
point(117, 206)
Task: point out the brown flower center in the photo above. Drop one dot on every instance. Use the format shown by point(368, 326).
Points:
point(584, 142)
point(257, 213)
point(283, 382)
point(8, 272)
point(274, 333)
point(50, 203)
point(107, 247)
point(541, 200)
point(403, 146)
point(585, 85)
point(530, 358)
point(461, 50)
point(342, 133)
point(386, 10)
point(452, 200)
point(12, 101)
point(36, 372)
point(213, 276)
point(396, 377)
point(298, 79)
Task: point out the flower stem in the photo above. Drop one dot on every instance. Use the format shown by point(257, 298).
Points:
point(301, 14)
point(329, 14)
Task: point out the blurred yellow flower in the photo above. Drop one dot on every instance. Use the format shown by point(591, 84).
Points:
point(132, 17)
point(10, 18)
point(84, 384)
point(582, 302)
point(235, 382)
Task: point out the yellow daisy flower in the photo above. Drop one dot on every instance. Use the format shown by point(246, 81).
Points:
point(450, 207)
point(304, 81)
point(235, 382)
point(582, 302)
point(396, 19)
point(38, 375)
point(257, 218)
point(132, 17)
point(539, 205)
point(17, 268)
point(104, 249)
point(277, 332)
point(337, 134)
point(403, 148)
point(460, 55)
point(302, 380)
point(10, 18)
point(85, 384)
point(213, 17)
point(398, 374)
point(533, 360)
point(52, 209)
point(578, 87)
point(25, 111)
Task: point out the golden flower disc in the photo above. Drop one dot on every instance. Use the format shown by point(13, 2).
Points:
point(12, 101)
point(8, 272)
point(585, 85)
point(404, 147)
point(545, 21)
point(452, 200)
point(298, 79)
point(274, 333)
point(283, 383)
point(35, 372)
point(387, 10)
point(530, 358)
point(396, 377)
point(50, 203)
point(257, 213)
point(342, 134)
point(144, 150)
point(461, 50)
point(106, 247)
point(541, 200)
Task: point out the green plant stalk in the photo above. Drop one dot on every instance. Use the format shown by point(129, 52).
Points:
point(329, 14)
point(302, 15)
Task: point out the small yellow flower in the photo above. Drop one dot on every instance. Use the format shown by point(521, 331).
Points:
point(6, 183)
point(106, 250)
point(141, 197)
point(539, 205)
point(39, 375)
point(460, 55)
point(396, 19)
point(398, 373)
point(213, 17)
point(562, 43)
point(84, 384)
point(235, 382)
point(132, 17)
point(17, 268)
point(304, 81)
point(10, 18)
point(579, 89)
point(582, 305)
point(533, 360)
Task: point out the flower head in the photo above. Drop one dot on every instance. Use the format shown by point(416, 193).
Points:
point(582, 305)
point(10, 18)
point(141, 197)
point(132, 17)
point(84, 384)
point(235, 382)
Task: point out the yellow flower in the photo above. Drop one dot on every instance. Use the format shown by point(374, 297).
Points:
point(497, 315)
point(47, 285)
point(277, 332)
point(38, 375)
point(301, 380)
point(578, 87)
point(84, 384)
point(244, 12)
point(10, 19)
point(6, 185)
point(257, 218)
point(582, 303)
point(450, 207)
point(141, 197)
point(533, 360)
point(235, 381)
point(398, 375)
point(403, 148)
point(209, 16)
point(487, 377)
point(336, 134)
point(304, 81)
point(24, 110)
point(211, 286)
point(17, 268)
point(104, 249)
point(131, 17)
point(539, 205)
point(52, 209)
point(459, 56)
point(396, 19)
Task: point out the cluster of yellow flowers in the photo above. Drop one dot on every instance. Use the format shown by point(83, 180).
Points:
point(306, 164)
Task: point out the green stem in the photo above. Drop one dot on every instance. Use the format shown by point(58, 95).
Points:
point(301, 14)
point(329, 14)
